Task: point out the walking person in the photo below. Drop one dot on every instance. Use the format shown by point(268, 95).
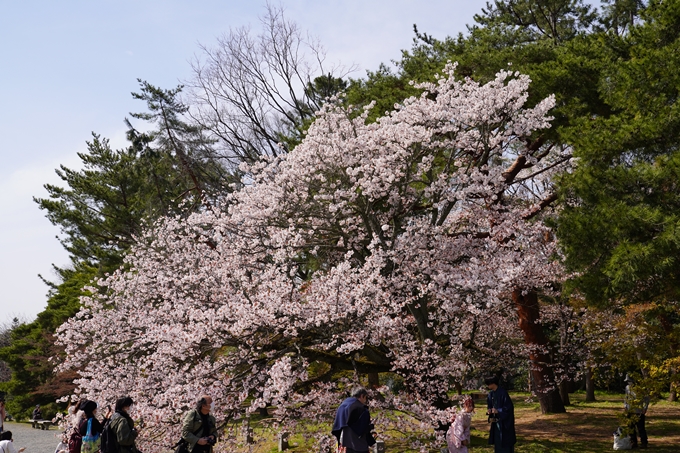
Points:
point(122, 424)
point(501, 414)
point(352, 425)
point(199, 428)
point(7, 443)
point(458, 435)
point(3, 415)
point(636, 410)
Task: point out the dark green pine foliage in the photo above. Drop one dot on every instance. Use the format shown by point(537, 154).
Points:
point(620, 226)
point(183, 143)
point(28, 354)
point(101, 209)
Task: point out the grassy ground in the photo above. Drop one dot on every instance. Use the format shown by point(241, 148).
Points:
point(585, 428)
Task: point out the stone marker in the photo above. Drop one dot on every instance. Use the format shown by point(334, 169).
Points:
point(283, 440)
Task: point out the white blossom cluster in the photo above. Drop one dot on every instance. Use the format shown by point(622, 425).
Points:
point(386, 247)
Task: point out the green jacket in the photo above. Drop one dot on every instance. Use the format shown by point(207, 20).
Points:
point(125, 433)
point(192, 424)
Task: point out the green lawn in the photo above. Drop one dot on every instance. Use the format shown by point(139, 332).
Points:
point(585, 428)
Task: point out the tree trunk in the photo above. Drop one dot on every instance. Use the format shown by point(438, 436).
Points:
point(373, 380)
point(544, 379)
point(564, 392)
point(590, 385)
point(673, 395)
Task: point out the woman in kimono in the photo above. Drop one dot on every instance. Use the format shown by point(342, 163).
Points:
point(458, 435)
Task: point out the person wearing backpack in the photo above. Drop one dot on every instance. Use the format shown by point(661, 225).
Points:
point(122, 425)
point(90, 410)
point(199, 428)
point(90, 428)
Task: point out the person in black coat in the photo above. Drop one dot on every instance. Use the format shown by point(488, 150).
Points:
point(501, 417)
point(90, 410)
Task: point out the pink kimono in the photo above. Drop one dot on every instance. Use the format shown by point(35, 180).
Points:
point(458, 432)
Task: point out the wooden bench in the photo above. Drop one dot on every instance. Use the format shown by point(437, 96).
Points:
point(476, 396)
point(41, 424)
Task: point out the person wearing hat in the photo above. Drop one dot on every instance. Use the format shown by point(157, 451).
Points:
point(636, 409)
point(37, 415)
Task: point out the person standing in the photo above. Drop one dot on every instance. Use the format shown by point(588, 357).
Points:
point(501, 414)
point(90, 411)
point(458, 435)
point(3, 415)
point(199, 428)
point(122, 424)
point(636, 410)
point(352, 425)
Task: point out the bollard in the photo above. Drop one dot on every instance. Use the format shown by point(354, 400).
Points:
point(283, 440)
point(379, 447)
point(247, 432)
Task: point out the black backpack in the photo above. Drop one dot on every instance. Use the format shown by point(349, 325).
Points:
point(109, 441)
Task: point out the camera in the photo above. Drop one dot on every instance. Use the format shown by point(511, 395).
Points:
point(492, 418)
point(211, 441)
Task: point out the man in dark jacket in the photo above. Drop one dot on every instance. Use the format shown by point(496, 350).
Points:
point(352, 425)
point(199, 429)
point(501, 416)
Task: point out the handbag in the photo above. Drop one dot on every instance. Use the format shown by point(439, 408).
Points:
point(182, 445)
point(90, 441)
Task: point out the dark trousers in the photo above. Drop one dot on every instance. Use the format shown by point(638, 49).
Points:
point(497, 444)
point(638, 428)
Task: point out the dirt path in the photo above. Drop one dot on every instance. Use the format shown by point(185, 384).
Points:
point(35, 440)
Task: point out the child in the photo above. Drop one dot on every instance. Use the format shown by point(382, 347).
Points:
point(458, 435)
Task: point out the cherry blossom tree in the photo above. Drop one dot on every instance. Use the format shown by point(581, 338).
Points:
point(412, 247)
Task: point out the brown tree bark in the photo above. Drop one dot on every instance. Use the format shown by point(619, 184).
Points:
point(564, 392)
point(544, 379)
point(373, 380)
point(673, 395)
point(590, 385)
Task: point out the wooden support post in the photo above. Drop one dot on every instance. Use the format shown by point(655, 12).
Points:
point(247, 432)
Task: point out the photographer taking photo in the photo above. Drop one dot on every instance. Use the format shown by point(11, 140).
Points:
point(501, 416)
point(199, 428)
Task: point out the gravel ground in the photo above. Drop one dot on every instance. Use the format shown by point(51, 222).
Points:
point(35, 440)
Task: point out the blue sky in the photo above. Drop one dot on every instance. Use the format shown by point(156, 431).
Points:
point(67, 68)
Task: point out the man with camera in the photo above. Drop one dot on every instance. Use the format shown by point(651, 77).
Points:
point(352, 425)
point(199, 429)
point(501, 414)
